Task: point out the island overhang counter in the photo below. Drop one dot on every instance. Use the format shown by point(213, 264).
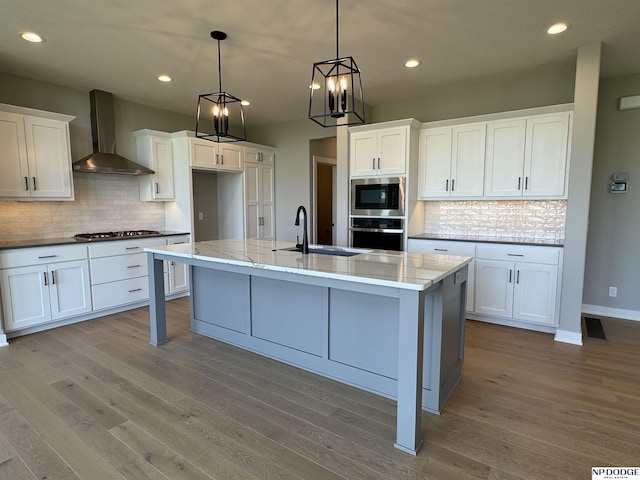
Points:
point(388, 322)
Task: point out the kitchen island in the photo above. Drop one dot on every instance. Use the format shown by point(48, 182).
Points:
point(362, 317)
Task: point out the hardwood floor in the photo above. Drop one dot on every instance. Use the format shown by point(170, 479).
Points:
point(95, 401)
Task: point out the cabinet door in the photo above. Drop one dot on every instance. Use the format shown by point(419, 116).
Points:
point(467, 160)
point(435, 163)
point(494, 287)
point(504, 164)
point(267, 202)
point(49, 157)
point(162, 155)
point(70, 289)
point(178, 272)
point(14, 181)
point(545, 160)
point(230, 157)
point(535, 293)
point(251, 200)
point(203, 154)
point(363, 153)
point(392, 151)
point(25, 297)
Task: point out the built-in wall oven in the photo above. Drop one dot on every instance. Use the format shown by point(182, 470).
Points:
point(377, 196)
point(376, 232)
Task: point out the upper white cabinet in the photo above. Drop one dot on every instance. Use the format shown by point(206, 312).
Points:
point(259, 193)
point(527, 156)
point(155, 151)
point(35, 154)
point(380, 149)
point(451, 161)
point(207, 155)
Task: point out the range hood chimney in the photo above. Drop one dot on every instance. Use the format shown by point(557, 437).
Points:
point(104, 158)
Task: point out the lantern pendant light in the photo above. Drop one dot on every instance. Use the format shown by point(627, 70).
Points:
point(336, 90)
point(220, 116)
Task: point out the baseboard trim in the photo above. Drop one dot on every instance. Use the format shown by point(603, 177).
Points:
point(565, 336)
point(611, 312)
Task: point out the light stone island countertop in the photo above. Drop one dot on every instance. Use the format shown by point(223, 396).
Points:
point(405, 270)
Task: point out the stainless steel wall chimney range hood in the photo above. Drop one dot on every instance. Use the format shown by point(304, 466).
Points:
point(104, 158)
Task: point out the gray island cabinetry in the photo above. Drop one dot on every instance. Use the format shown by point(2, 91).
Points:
point(363, 319)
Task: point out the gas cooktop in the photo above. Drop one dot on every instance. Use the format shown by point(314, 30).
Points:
point(116, 235)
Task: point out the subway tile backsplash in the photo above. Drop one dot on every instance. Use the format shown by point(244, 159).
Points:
point(103, 203)
point(526, 219)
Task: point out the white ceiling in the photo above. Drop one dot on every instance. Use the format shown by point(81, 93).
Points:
point(121, 45)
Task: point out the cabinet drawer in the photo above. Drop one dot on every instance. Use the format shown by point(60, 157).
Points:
point(113, 294)
point(21, 257)
point(123, 247)
point(121, 267)
point(519, 253)
point(442, 247)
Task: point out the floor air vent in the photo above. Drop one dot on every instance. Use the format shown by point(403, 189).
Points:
point(594, 328)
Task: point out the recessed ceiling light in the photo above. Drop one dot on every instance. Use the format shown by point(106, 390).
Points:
point(165, 78)
point(245, 103)
point(31, 37)
point(558, 28)
point(412, 63)
point(314, 86)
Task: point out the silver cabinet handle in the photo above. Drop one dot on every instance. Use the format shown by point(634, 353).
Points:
point(373, 164)
point(35, 187)
point(515, 254)
point(48, 256)
point(221, 159)
point(378, 163)
point(132, 248)
point(441, 250)
point(217, 159)
point(26, 183)
point(519, 182)
point(53, 277)
point(134, 266)
point(518, 276)
point(446, 185)
point(526, 183)
point(510, 275)
point(453, 184)
point(135, 290)
point(157, 188)
point(45, 279)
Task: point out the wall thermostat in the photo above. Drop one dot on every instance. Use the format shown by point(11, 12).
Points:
point(620, 183)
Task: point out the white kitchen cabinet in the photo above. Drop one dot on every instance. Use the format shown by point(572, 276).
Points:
point(451, 163)
point(527, 157)
point(259, 197)
point(35, 154)
point(155, 151)
point(443, 247)
point(178, 280)
point(37, 288)
point(517, 282)
point(380, 151)
point(119, 272)
point(207, 155)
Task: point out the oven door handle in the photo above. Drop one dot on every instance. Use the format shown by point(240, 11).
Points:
point(377, 230)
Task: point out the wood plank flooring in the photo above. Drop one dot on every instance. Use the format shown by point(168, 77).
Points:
point(95, 401)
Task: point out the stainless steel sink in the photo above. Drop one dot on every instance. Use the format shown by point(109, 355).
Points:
point(330, 250)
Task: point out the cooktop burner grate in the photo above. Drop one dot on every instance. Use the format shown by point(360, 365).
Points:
point(121, 234)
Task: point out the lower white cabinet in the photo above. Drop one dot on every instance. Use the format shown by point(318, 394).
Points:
point(518, 282)
point(178, 273)
point(443, 247)
point(44, 292)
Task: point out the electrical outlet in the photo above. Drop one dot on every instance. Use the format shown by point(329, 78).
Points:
point(613, 291)
point(200, 216)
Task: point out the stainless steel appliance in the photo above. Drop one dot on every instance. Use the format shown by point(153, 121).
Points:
point(117, 235)
point(377, 196)
point(378, 233)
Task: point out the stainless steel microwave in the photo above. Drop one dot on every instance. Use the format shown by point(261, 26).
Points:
point(379, 196)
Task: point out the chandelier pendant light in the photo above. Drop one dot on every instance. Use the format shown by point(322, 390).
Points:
point(336, 90)
point(220, 116)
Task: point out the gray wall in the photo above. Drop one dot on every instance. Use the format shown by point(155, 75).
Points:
point(613, 256)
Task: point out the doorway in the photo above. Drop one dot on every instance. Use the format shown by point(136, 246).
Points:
point(324, 200)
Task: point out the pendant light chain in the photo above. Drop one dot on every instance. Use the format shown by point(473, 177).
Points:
point(219, 69)
point(337, 32)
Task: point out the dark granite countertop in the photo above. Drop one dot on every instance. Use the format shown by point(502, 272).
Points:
point(488, 239)
point(46, 242)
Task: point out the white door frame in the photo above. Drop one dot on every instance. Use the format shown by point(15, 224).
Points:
point(317, 159)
